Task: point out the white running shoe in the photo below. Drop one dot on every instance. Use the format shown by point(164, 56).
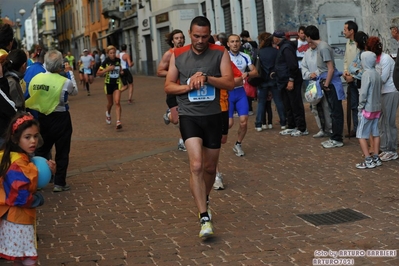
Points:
point(238, 150)
point(107, 118)
point(218, 185)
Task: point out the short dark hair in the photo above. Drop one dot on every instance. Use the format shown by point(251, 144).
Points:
point(301, 28)
point(361, 40)
point(7, 35)
point(245, 34)
point(312, 32)
point(169, 37)
point(352, 25)
point(124, 47)
point(200, 21)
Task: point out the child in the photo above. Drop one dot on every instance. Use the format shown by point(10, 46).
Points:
point(18, 191)
point(369, 110)
point(111, 67)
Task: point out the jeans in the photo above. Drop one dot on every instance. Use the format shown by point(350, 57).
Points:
point(278, 101)
point(337, 113)
point(354, 91)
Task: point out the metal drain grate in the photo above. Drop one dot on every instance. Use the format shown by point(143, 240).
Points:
point(335, 217)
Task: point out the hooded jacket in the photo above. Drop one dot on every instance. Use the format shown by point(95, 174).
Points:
point(370, 91)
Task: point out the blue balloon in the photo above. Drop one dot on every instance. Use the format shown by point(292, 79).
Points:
point(44, 172)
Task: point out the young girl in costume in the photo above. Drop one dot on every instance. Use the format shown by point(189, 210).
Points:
point(18, 191)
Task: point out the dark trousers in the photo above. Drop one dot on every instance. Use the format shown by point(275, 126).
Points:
point(56, 129)
point(337, 113)
point(354, 92)
point(293, 105)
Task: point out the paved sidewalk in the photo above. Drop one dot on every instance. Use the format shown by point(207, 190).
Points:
point(130, 204)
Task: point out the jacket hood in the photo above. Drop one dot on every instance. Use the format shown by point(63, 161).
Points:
point(368, 60)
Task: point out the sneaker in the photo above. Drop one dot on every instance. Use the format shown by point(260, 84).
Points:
point(283, 127)
point(206, 228)
point(235, 114)
point(319, 134)
point(270, 126)
point(129, 101)
point(259, 129)
point(238, 150)
point(166, 117)
point(388, 156)
point(250, 113)
point(181, 146)
point(88, 93)
point(61, 188)
point(298, 133)
point(366, 164)
point(218, 185)
point(332, 144)
point(377, 161)
point(287, 131)
point(107, 118)
point(264, 127)
point(118, 125)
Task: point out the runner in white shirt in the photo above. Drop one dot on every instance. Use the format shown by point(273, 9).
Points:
point(87, 62)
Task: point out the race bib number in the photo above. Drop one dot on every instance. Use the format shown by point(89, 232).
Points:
point(114, 74)
point(87, 71)
point(206, 93)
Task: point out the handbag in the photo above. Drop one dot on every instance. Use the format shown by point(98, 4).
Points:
point(250, 90)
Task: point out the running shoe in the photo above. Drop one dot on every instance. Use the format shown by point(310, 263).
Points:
point(367, 164)
point(298, 133)
point(259, 129)
point(377, 161)
point(218, 185)
point(388, 156)
point(287, 131)
point(166, 117)
point(319, 134)
point(107, 118)
point(181, 146)
point(206, 227)
point(270, 126)
point(61, 188)
point(118, 125)
point(332, 144)
point(238, 150)
point(264, 126)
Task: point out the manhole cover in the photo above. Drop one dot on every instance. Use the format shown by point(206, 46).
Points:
point(335, 217)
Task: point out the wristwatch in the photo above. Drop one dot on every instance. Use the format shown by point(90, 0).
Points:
point(206, 76)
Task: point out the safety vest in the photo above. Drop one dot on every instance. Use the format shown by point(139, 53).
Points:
point(45, 92)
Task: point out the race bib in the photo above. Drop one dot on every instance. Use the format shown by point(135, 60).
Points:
point(206, 93)
point(114, 74)
point(87, 71)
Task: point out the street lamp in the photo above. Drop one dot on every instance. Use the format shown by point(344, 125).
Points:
point(22, 13)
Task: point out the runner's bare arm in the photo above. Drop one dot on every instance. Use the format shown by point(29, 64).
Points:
point(164, 65)
point(171, 85)
point(126, 57)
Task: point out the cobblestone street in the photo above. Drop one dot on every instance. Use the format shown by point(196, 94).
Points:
point(130, 203)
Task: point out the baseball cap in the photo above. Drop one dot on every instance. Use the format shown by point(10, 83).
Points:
point(279, 34)
point(85, 50)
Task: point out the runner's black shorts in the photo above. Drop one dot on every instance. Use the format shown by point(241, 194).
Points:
point(127, 77)
point(208, 128)
point(171, 100)
point(225, 122)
